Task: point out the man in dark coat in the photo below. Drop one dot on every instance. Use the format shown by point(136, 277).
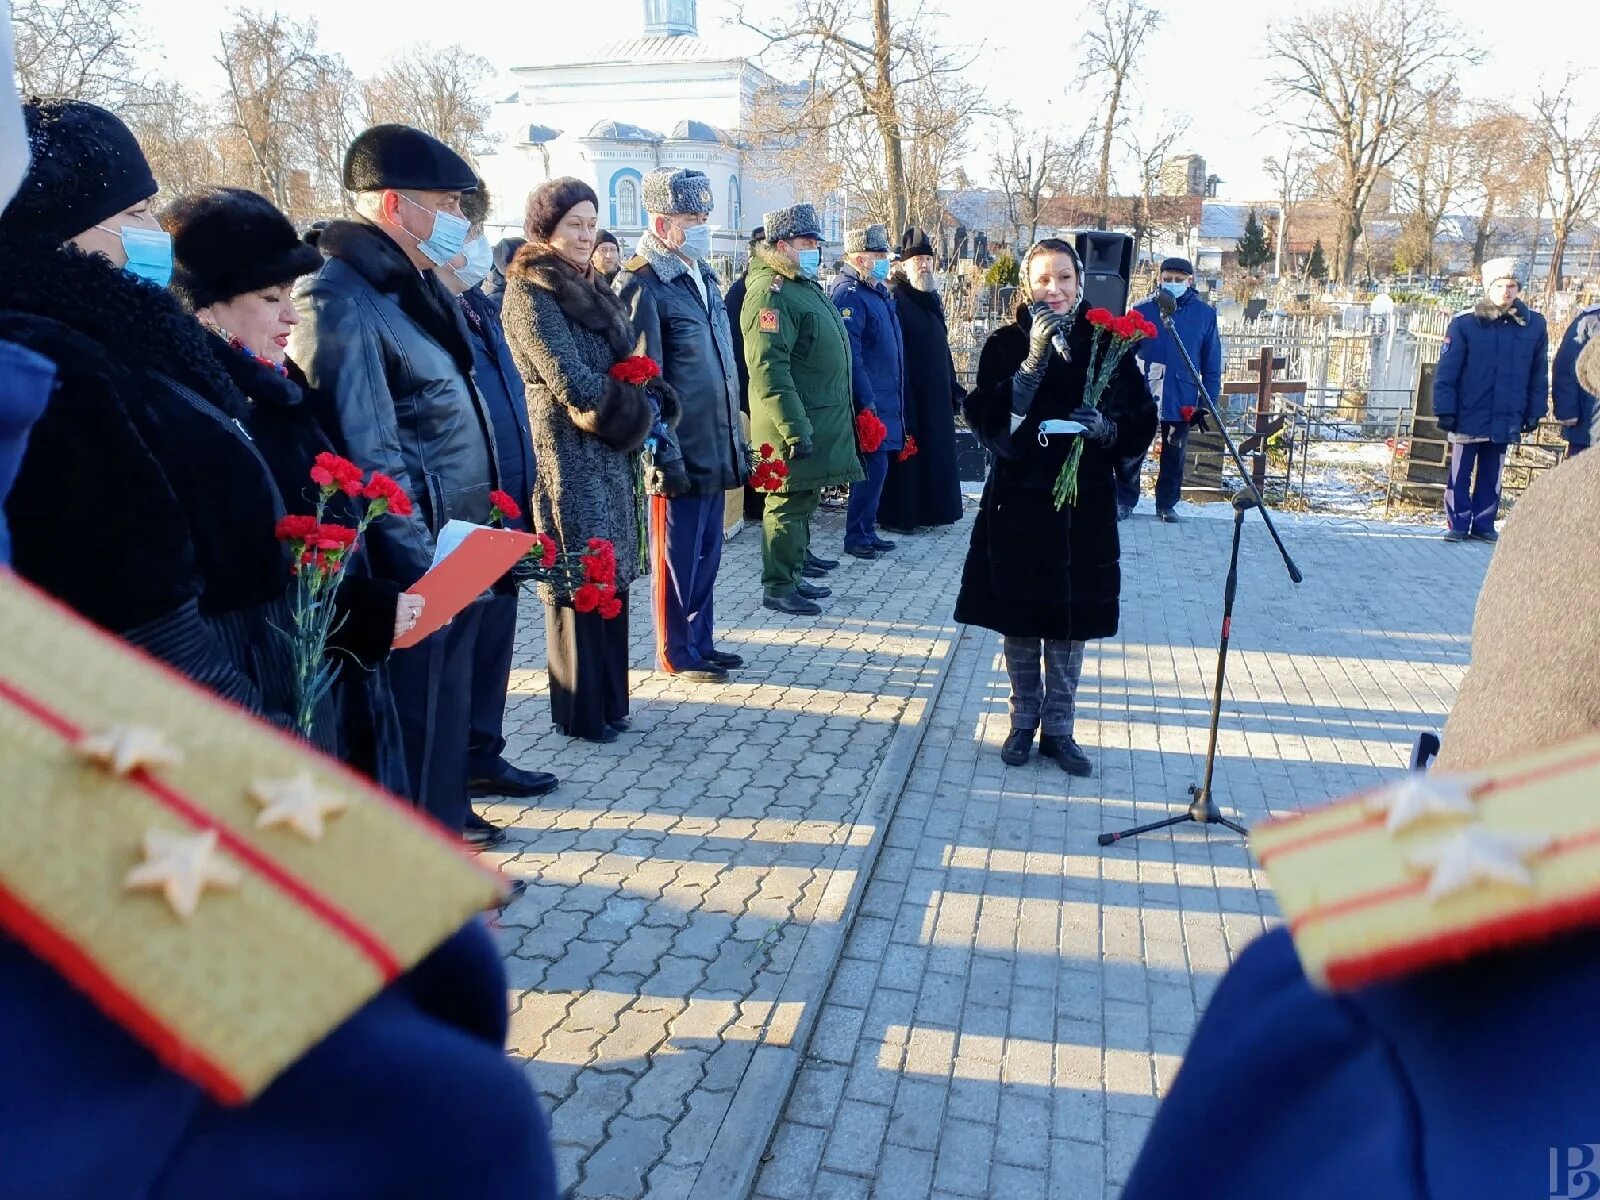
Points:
point(923, 488)
point(1576, 407)
point(1173, 386)
point(386, 348)
point(607, 256)
point(1492, 386)
point(676, 304)
point(877, 375)
point(505, 250)
point(497, 380)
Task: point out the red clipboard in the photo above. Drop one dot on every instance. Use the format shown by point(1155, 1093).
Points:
point(465, 574)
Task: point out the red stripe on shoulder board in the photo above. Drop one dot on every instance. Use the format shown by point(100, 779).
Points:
point(83, 972)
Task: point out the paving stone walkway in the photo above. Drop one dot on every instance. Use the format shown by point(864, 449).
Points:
point(823, 877)
point(1013, 999)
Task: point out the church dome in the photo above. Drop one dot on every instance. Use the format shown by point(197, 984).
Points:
point(621, 131)
point(698, 131)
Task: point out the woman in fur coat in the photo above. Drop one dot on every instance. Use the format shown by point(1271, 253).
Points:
point(567, 330)
point(235, 259)
point(1048, 580)
point(141, 502)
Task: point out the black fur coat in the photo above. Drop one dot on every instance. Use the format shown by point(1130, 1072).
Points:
point(1032, 571)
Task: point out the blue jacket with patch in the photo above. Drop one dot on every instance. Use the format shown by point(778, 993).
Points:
point(1164, 369)
point(1493, 375)
point(877, 351)
point(1572, 403)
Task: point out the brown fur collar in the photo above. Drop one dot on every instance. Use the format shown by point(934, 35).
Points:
point(1487, 312)
point(590, 304)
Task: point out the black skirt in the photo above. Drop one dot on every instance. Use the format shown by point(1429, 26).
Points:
point(587, 659)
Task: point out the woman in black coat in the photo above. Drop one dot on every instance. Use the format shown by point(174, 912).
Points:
point(142, 502)
point(1048, 580)
point(236, 257)
point(925, 489)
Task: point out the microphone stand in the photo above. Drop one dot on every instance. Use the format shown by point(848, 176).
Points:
point(1203, 807)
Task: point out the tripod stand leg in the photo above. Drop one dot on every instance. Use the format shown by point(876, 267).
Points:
point(1107, 839)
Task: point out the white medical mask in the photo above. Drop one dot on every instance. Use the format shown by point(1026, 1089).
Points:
point(448, 237)
point(480, 261)
point(149, 252)
point(696, 242)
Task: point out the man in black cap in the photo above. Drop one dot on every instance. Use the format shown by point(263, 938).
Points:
point(607, 256)
point(386, 348)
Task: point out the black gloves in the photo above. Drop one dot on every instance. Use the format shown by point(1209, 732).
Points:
point(1201, 420)
point(802, 449)
point(669, 479)
point(1045, 325)
point(1098, 428)
point(1446, 422)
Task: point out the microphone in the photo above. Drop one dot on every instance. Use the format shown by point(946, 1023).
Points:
point(1166, 302)
point(1057, 339)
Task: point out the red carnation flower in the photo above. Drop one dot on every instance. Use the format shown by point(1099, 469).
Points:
point(332, 473)
point(1187, 412)
point(636, 369)
point(503, 507)
point(910, 450)
point(870, 430)
point(1099, 317)
point(295, 529)
point(382, 489)
point(587, 598)
point(611, 609)
point(547, 549)
point(335, 539)
point(766, 450)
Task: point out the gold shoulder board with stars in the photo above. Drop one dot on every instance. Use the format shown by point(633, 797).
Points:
point(219, 889)
point(1437, 868)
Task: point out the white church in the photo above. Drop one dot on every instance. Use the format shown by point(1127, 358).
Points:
point(608, 116)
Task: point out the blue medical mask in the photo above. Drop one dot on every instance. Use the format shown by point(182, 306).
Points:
point(149, 252)
point(448, 238)
point(480, 260)
point(880, 269)
point(696, 242)
point(810, 262)
point(1175, 288)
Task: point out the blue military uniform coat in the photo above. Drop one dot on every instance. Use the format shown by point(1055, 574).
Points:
point(877, 351)
point(1493, 375)
point(1571, 401)
point(1164, 368)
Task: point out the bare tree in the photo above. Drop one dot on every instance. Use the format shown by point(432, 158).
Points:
point(859, 67)
point(1362, 76)
point(1032, 165)
point(1116, 32)
point(335, 111)
point(1499, 145)
point(1292, 172)
point(1430, 172)
point(437, 91)
point(178, 139)
point(1150, 149)
point(80, 49)
point(1570, 148)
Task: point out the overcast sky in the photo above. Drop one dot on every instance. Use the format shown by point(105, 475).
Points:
point(1205, 62)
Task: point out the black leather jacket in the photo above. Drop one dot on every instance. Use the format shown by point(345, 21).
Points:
point(385, 348)
point(692, 342)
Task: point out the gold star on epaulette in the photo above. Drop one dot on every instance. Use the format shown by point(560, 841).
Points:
point(181, 867)
point(1478, 855)
point(123, 749)
point(1420, 798)
point(298, 803)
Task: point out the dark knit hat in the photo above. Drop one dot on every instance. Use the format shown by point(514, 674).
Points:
point(399, 157)
point(86, 168)
point(796, 221)
point(671, 191)
point(872, 239)
point(914, 242)
point(551, 201)
point(606, 238)
point(229, 241)
point(1177, 264)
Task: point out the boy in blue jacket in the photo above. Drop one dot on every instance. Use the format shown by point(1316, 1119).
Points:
point(1492, 387)
point(1577, 408)
point(1173, 386)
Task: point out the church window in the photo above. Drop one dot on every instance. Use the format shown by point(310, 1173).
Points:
point(628, 204)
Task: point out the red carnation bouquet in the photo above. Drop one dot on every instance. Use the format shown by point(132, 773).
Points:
point(870, 430)
point(770, 471)
point(637, 369)
point(569, 574)
point(1113, 337)
point(321, 551)
point(910, 450)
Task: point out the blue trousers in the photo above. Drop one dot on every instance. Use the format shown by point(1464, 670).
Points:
point(1472, 497)
point(432, 685)
point(1169, 476)
point(861, 515)
point(491, 679)
point(685, 556)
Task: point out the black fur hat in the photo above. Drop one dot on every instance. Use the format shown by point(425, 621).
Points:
point(86, 168)
point(229, 241)
point(551, 201)
point(405, 159)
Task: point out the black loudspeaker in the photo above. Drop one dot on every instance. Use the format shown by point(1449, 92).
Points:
point(1107, 268)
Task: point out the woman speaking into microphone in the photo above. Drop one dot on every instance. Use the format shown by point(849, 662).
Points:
point(1046, 578)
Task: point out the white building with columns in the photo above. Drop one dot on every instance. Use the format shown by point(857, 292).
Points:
point(608, 116)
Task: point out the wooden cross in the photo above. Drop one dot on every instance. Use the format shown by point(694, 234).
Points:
point(1267, 423)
